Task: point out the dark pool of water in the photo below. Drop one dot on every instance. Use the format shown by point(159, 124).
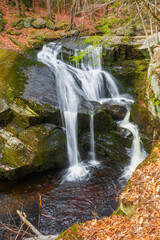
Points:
point(67, 202)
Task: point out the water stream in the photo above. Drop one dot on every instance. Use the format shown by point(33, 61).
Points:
point(87, 82)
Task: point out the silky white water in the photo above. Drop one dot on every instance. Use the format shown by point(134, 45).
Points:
point(86, 82)
point(138, 154)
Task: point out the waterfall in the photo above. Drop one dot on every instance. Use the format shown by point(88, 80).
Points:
point(138, 153)
point(87, 81)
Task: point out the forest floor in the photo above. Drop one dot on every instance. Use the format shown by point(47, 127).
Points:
point(9, 14)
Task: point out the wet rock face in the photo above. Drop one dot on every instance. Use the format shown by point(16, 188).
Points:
point(117, 112)
point(111, 146)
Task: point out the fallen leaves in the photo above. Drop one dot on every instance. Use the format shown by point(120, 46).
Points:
point(143, 192)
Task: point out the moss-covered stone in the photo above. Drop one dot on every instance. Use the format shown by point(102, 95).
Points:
point(28, 21)
point(46, 112)
point(22, 111)
point(5, 135)
point(20, 25)
point(17, 126)
point(103, 122)
point(39, 23)
point(16, 22)
point(141, 116)
point(35, 135)
point(36, 148)
point(17, 154)
point(5, 113)
point(62, 25)
point(50, 25)
point(44, 36)
point(12, 77)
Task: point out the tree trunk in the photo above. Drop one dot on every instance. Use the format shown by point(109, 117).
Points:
point(152, 33)
point(144, 27)
point(33, 5)
point(157, 36)
point(49, 11)
point(72, 25)
point(18, 8)
point(22, 9)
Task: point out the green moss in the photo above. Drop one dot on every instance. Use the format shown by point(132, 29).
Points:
point(12, 77)
point(71, 233)
point(141, 68)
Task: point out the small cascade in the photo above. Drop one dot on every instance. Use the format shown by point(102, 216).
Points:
point(86, 82)
point(138, 153)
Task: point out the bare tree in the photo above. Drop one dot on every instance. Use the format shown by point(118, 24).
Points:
point(20, 8)
point(73, 11)
point(145, 30)
point(49, 9)
point(157, 36)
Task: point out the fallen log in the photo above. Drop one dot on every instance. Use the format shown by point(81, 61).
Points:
point(38, 235)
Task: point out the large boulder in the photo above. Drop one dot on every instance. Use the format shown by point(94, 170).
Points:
point(117, 111)
point(36, 148)
point(62, 25)
point(39, 23)
point(28, 21)
point(103, 122)
point(16, 22)
point(50, 25)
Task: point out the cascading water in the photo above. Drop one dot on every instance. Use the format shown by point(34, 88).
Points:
point(138, 153)
point(87, 81)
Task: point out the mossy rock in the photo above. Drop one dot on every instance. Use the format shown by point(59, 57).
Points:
point(20, 25)
point(12, 77)
point(16, 126)
point(103, 122)
point(16, 22)
point(46, 112)
point(28, 21)
point(44, 36)
point(141, 116)
point(110, 146)
point(22, 111)
point(36, 134)
point(50, 25)
point(43, 147)
point(62, 25)
point(39, 23)
point(17, 154)
point(5, 135)
point(5, 113)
